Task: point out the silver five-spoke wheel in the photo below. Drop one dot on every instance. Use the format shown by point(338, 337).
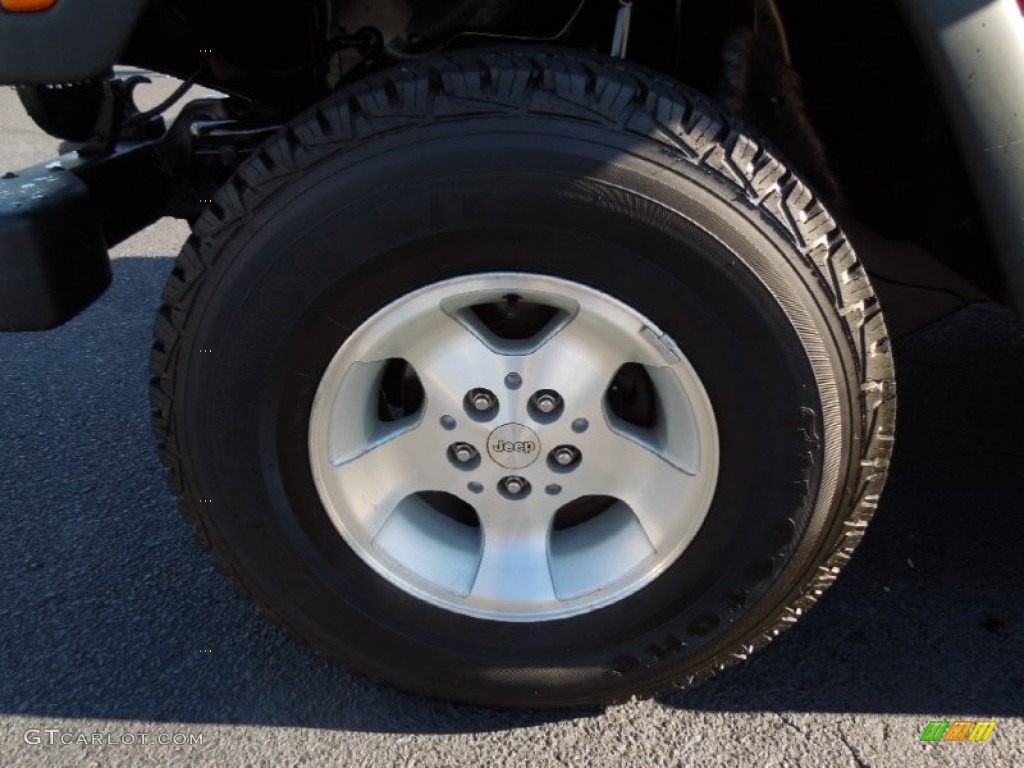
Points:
point(513, 447)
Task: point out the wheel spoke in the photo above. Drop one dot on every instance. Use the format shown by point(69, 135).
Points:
point(514, 566)
point(657, 491)
point(448, 356)
point(577, 363)
point(388, 471)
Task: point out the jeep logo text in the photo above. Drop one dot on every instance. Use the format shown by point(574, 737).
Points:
point(513, 446)
point(507, 446)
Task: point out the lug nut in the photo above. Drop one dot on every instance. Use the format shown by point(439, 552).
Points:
point(546, 401)
point(514, 485)
point(565, 455)
point(463, 452)
point(482, 400)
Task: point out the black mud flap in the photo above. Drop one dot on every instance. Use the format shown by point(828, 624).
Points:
point(53, 254)
point(59, 218)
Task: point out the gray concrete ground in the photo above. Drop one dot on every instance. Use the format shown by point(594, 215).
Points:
point(114, 625)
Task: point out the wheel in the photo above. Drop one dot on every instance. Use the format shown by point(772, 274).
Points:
point(524, 379)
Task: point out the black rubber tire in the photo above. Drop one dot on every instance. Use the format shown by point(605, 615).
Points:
point(566, 164)
point(66, 112)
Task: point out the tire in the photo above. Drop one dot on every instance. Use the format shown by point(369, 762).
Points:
point(694, 436)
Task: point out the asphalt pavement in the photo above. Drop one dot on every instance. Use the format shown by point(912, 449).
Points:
point(119, 638)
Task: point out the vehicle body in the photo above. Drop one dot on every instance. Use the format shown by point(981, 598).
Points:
point(572, 293)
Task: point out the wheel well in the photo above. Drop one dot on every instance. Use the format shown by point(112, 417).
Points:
point(858, 116)
point(842, 91)
point(263, 56)
point(889, 139)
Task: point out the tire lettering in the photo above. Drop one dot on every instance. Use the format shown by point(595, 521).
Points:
point(654, 653)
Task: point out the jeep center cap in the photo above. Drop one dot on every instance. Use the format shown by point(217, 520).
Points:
point(513, 446)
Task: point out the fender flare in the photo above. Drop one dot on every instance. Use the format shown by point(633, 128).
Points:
point(975, 52)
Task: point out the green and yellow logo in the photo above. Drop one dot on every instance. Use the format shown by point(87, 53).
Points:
point(958, 730)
